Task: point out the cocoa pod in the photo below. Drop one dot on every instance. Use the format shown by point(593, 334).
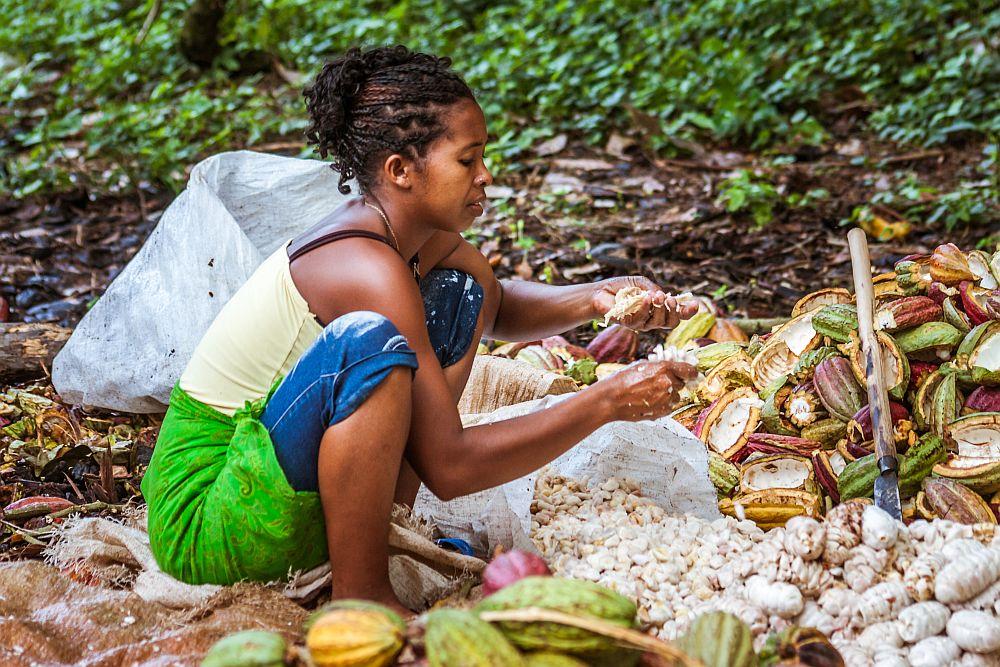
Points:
point(511, 566)
point(719, 639)
point(687, 330)
point(250, 647)
point(769, 443)
point(827, 432)
point(32, 506)
point(725, 330)
point(615, 344)
point(836, 321)
point(540, 358)
point(838, 389)
point(955, 316)
point(939, 292)
point(952, 501)
point(456, 637)
point(821, 298)
point(859, 429)
point(547, 659)
point(725, 476)
point(778, 471)
point(355, 636)
point(948, 265)
point(570, 596)
point(826, 475)
point(509, 350)
point(920, 371)
point(906, 313)
point(913, 274)
point(808, 362)
point(974, 302)
point(804, 406)
point(984, 399)
point(772, 413)
point(931, 338)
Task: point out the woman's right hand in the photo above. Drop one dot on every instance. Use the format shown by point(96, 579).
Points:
point(646, 389)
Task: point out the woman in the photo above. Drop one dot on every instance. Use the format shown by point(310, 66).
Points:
point(326, 388)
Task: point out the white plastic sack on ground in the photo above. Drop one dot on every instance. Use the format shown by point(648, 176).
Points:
point(238, 207)
point(668, 462)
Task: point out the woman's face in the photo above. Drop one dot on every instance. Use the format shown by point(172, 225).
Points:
point(452, 176)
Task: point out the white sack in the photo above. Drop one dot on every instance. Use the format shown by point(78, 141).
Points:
point(668, 462)
point(238, 207)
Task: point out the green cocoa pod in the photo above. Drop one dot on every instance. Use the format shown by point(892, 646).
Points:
point(858, 478)
point(836, 321)
point(719, 639)
point(570, 596)
point(250, 648)
point(459, 638)
point(827, 432)
point(687, 330)
point(724, 475)
point(546, 659)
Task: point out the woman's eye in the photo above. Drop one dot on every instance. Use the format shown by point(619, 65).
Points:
point(467, 163)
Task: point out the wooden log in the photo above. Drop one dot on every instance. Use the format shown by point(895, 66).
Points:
point(25, 348)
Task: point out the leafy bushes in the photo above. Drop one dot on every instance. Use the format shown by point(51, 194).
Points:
point(749, 72)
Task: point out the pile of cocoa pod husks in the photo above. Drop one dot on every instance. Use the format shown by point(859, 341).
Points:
point(785, 415)
point(58, 460)
point(533, 620)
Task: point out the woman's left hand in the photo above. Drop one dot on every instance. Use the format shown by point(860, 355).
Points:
point(658, 311)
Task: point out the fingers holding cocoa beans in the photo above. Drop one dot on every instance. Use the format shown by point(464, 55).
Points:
point(648, 389)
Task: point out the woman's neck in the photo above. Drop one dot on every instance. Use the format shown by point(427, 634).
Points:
point(410, 233)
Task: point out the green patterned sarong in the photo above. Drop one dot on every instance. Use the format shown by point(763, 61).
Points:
point(220, 508)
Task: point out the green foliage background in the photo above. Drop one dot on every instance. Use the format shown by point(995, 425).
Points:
point(749, 72)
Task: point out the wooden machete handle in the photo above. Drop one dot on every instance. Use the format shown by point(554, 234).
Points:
point(878, 397)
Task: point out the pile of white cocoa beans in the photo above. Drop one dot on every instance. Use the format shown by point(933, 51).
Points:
point(884, 593)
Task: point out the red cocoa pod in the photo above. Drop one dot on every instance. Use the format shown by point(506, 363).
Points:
point(556, 343)
point(920, 370)
point(769, 443)
point(825, 474)
point(615, 344)
point(33, 506)
point(974, 302)
point(4, 310)
point(859, 429)
point(906, 313)
point(511, 566)
point(984, 399)
point(938, 292)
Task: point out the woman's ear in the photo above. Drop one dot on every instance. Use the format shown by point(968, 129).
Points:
point(398, 170)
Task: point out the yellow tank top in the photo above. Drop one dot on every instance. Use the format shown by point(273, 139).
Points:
point(256, 338)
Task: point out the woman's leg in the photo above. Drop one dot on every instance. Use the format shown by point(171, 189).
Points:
point(339, 423)
point(359, 462)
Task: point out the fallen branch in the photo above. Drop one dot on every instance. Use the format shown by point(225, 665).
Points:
point(912, 157)
point(26, 348)
point(148, 23)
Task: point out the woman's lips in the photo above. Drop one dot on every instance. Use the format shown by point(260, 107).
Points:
point(477, 207)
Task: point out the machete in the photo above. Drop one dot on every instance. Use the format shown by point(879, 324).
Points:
point(887, 482)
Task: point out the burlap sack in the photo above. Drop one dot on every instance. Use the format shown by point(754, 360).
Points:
point(497, 381)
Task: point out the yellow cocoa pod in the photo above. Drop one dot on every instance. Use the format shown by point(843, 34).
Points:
point(354, 638)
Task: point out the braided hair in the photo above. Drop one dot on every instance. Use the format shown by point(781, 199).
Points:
point(367, 105)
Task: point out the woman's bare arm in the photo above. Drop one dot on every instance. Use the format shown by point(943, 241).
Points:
point(453, 461)
point(530, 310)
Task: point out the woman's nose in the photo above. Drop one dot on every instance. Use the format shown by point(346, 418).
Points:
point(485, 178)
